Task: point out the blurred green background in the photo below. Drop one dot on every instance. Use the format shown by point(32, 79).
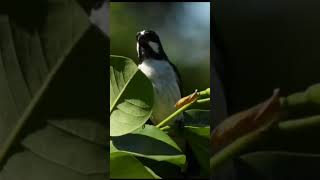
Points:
point(184, 30)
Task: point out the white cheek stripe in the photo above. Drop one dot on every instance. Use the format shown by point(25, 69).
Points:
point(138, 50)
point(154, 46)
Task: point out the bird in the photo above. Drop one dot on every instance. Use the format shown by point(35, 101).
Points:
point(163, 74)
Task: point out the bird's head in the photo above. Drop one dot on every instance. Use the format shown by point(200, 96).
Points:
point(149, 46)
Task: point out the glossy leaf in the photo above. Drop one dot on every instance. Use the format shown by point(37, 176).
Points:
point(126, 166)
point(150, 142)
point(131, 96)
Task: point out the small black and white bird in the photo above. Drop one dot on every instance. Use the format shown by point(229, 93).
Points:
point(165, 78)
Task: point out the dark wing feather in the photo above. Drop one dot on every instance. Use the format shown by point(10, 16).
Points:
point(179, 80)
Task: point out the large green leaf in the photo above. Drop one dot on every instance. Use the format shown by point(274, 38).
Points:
point(150, 142)
point(87, 156)
point(52, 95)
point(126, 166)
point(29, 62)
point(131, 96)
point(28, 166)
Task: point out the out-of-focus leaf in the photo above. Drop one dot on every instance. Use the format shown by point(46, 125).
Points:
point(279, 165)
point(84, 128)
point(126, 166)
point(300, 124)
point(131, 96)
point(51, 88)
point(245, 121)
point(296, 99)
point(302, 104)
point(238, 146)
point(29, 166)
point(150, 142)
point(87, 156)
point(30, 60)
point(313, 93)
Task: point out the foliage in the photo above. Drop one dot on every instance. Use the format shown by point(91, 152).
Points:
point(130, 107)
point(52, 65)
point(268, 151)
point(152, 151)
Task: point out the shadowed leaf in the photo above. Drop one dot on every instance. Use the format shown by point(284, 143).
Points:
point(150, 142)
point(126, 166)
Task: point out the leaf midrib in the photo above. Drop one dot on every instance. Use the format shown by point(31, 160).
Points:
point(36, 98)
point(125, 86)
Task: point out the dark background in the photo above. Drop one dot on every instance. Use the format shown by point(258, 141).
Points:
point(263, 45)
point(267, 45)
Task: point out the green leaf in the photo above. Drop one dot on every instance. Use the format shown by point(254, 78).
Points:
point(313, 93)
point(162, 168)
point(152, 173)
point(302, 104)
point(131, 96)
point(126, 166)
point(239, 145)
point(150, 142)
point(28, 166)
point(87, 157)
point(84, 128)
point(296, 99)
point(52, 125)
point(26, 74)
point(198, 138)
point(280, 165)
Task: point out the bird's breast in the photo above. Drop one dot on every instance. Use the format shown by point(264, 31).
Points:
point(166, 88)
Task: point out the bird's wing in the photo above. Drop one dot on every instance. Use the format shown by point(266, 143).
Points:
point(179, 81)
